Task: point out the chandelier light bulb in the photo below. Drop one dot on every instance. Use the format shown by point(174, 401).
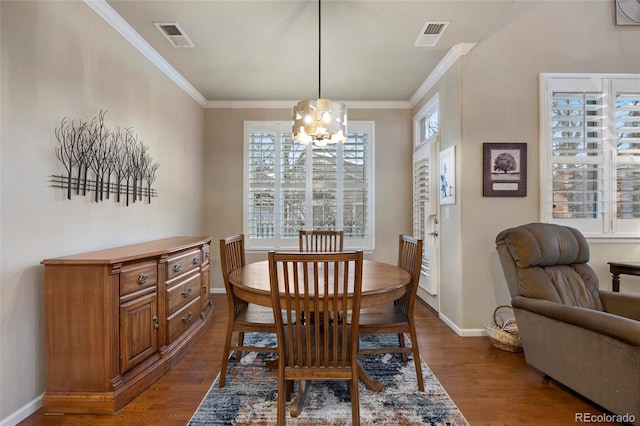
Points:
point(319, 121)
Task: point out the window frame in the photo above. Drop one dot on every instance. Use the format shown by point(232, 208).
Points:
point(426, 112)
point(290, 243)
point(425, 158)
point(606, 227)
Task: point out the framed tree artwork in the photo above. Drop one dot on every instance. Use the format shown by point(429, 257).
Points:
point(504, 171)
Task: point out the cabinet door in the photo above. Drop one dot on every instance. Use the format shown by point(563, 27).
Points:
point(138, 330)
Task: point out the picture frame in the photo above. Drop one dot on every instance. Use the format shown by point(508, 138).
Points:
point(447, 173)
point(504, 169)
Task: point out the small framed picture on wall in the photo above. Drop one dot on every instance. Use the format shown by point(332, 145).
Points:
point(447, 174)
point(504, 169)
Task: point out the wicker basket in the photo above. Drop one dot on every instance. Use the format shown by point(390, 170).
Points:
point(504, 333)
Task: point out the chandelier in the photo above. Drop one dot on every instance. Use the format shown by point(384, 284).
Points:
point(319, 121)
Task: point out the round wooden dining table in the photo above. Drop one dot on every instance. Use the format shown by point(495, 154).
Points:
point(381, 283)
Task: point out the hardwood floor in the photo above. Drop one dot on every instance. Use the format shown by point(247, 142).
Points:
point(490, 386)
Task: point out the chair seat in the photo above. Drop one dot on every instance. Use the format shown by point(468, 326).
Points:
point(384, 316)
point(256, 316)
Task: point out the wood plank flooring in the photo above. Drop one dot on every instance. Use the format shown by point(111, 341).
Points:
point(490, 386)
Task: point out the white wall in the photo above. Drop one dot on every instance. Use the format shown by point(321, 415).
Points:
point(59, 58)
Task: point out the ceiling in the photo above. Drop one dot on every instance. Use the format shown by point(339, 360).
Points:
point(267, 50)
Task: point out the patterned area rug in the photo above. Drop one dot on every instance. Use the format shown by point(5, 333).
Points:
point(250, 398)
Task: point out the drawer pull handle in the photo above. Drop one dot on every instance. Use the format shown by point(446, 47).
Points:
point(177, 267)
point(142, 279)
point(186, 293)
point(187, 318)
point(156, 322)
point(206, 254)
point(196, 260)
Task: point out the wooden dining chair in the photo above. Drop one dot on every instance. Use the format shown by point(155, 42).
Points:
point(244, 317)
point(320, 241)
point(398, 317)
point(316, 348)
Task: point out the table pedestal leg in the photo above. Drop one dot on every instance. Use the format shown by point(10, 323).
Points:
point(372, 385)
point(298, 403)
point(272, 364)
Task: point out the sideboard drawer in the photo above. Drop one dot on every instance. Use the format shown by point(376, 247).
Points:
point(182, 319)
point(205, 254)
point(183, 293)
point(182, 263)
point(136, 276)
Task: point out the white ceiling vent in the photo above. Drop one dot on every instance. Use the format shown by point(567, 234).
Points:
point(431, 33)
point(173, 33)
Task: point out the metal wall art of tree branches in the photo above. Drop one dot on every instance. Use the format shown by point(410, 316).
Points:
point(108, 163)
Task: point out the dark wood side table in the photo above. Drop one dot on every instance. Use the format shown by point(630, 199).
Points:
point(620, 268)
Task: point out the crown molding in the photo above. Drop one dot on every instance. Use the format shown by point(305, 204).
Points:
point(443, 66)
point(106, 12)
point(291, 104)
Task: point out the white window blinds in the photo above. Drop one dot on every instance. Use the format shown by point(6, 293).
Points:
point(421, 173)
point(591, 153)
point(290, 186)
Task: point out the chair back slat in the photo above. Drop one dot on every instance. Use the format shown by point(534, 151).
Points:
point(232, 257)
point(313, 290)
point(409, 259)
point(320, 241)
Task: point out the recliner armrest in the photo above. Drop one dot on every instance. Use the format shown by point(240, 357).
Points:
point(615, 326)
point(623, 304)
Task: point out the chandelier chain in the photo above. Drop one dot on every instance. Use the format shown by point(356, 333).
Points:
point(319, 121)
point(319, 50)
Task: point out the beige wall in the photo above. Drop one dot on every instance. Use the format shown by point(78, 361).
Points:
point(224, 176)
point(61, 59)
point(500, 104)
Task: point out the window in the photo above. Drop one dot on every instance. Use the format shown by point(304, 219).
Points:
point(429, 126)
point(590, 153)
point(289, 186)
point(425, 207)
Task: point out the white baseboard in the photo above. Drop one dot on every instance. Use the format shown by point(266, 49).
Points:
point(23, 412)
point(463, 332)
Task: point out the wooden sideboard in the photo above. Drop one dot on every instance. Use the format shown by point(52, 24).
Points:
point(118, 319)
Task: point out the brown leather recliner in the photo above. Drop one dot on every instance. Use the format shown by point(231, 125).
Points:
point(583, 337)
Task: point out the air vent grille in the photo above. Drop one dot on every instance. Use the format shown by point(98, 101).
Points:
point(173, 33)
point(171, 30)
point(434, 29)
point(431, 33)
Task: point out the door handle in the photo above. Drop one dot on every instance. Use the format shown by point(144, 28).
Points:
point(434, 233)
